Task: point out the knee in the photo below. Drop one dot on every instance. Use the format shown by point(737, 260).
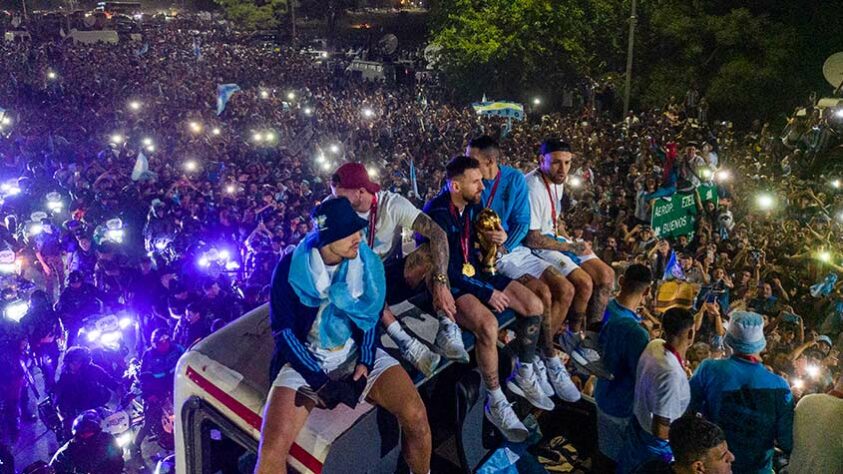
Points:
point(606, 278)
point(563, 291)
point(488, 333)
point(584, 287)
point(413, 418)
point(544, 294)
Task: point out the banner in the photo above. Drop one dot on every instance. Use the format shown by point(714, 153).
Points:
point(708, 192)
point(675, 215)
point(675, 294)
point(501, 109)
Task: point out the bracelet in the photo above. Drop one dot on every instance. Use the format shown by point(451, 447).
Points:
point(440, 278)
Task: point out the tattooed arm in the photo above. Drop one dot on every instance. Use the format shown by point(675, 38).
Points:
point(535, 240)
point(443, 300)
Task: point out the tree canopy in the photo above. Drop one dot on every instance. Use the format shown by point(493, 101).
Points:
point(255, 14)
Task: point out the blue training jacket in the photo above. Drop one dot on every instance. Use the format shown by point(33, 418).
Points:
point(512, 203)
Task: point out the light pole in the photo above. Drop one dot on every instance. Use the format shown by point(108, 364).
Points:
point(633, 19)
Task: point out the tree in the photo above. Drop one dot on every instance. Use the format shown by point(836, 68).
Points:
point(255, 14)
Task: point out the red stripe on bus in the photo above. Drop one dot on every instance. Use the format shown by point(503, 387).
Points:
point(253, 419)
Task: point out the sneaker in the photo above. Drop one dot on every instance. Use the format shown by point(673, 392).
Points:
point(541, 374)
point(449, 341)
point(524, 383)
point(562, 384)
point(583, 357)
point(422, 358)
point(503, 417)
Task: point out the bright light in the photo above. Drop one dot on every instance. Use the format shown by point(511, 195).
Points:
point(765, 201)
point(93, 335)
point(824, 256)
point(6, 121)
point(320, 158)
point(537, 101)
point(324, 54)
point(373, 173)
point(798, 384)
point(264, 94)
point(135, 105)
point(10, 189)
point(257, 136)
point(195, 127)
point(36, 228)
point(270, 136)
point(224, 254)
point(838, 113)
point(232, 265)
point(110, 337)
point(55, 206)
point(147, 141)
point(836, 183)
point(191, 165)
point(326, 166)
point(8, 268)
point(308, 111)
point(126, 322)
point(368, 113)
point(575, 182)
point(722, 175)
point(117, 139)
point(124, 439)
point(115, 235)
point(335, 149)
point(16, 310)
point(203, 262)
point(291, 95)
point(813, 371)
point(706, 173)
point(161, 244)
point(230, 189)
point(52, 75)
point(216, 131)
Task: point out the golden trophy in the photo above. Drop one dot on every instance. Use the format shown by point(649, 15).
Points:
point(487, 220)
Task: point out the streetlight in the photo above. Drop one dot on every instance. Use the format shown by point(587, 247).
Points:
point(134, 105)
point(537, 101)
point(765, 201)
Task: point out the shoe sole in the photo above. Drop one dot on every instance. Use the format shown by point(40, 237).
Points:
point(587, 366)
point(460, 357)
point(514, 388)
point(511, 439)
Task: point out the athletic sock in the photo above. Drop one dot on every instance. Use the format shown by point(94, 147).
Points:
point(397, 333)
point(496, 395)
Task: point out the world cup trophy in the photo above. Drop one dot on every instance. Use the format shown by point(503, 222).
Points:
point(487, 220)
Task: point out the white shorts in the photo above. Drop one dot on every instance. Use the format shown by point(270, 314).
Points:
point(288, 377)
point(521, 262)
point(562, 262)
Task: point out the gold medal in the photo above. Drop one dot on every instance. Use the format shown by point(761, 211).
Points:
point(468, 269)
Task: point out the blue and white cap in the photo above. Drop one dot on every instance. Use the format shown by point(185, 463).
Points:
point(746, 332)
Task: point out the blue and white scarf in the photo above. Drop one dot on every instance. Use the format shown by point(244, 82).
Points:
point(355, 295)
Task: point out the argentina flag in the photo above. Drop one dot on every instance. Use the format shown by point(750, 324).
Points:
point(224, 93)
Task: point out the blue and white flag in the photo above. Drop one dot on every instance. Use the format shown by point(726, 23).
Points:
point(141, 167)
point(224, 93)
point(413, 179)
point(673, 271)
point(197, 50)
point(143, 50)
point(825, 287)
point(507, 128)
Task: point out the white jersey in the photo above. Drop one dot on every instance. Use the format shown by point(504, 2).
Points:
point(543, 204)
point(661, 386)
point(395, 212)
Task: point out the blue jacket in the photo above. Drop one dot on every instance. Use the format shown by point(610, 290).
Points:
point(512, 203)
point(439, 210)
point(622, 340)
point(753, 406)
point(291, 322)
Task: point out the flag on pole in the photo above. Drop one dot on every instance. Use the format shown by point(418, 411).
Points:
point(141, 167)
point(673, 271)
point(224, 93)
point(413, 179)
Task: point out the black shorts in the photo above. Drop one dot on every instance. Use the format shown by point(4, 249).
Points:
point(498, 281)
point(397, 289)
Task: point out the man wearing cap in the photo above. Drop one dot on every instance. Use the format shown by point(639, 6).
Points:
point(593, 280)
point(325, 304)
point(387, 214)
point(505, 192)
point(478, 294)
point(753, 405)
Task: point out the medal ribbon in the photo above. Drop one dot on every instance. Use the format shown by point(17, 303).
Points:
point(494, 190)
point(463, 233)
point(552, 203)
point(373, 219)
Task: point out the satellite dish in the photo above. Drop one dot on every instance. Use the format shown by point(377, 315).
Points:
point(833, 70)
point(432, 53)
point(388, 44)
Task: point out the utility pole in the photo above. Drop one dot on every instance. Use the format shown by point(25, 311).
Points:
point(292, 4)
point(23, 5)
point(633, 20)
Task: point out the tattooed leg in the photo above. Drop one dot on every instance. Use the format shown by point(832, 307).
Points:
point(603, 279)
point(548, 320)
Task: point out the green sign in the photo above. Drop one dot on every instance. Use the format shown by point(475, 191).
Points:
point(675, 216)
point(708, 192)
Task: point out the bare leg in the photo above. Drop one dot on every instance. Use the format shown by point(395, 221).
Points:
point(395, 392)
point(582, 294)
point(562, 295)
point(522, 300)
point(284, 416)
point(603, 279)
point(477, 318)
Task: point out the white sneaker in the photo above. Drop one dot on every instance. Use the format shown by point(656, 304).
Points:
point(503, 417)
point(422, 358)
point(523, 382)
point(562, 383)
point(541, 374)
point(449, 341)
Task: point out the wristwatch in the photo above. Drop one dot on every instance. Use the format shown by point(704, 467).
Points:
point(440, 278)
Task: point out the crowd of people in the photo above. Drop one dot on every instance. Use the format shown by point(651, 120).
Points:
point(126, 192)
